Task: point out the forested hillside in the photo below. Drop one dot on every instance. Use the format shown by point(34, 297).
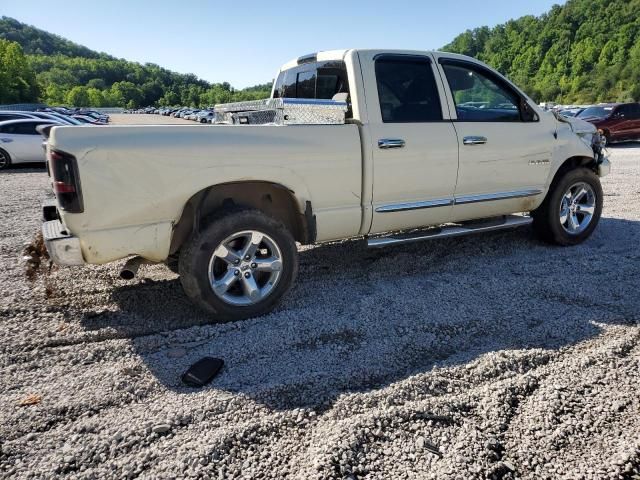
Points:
point(585, 51)
point(46, 67)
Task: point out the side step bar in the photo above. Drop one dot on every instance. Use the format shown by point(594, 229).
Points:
point(453, 230)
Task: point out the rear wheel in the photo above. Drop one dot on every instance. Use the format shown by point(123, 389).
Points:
point(572, 209)
point(240, 265)
point(5, 159)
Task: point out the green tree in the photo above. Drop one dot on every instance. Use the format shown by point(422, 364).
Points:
point(17, 78)
point(96, 98)
point(78, 97)
point(582, 51)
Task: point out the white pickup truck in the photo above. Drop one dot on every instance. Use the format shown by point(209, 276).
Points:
point(424, 145)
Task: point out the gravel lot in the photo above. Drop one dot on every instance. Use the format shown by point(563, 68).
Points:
point(492, 356)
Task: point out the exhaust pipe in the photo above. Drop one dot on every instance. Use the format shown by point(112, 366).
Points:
point(130, 268)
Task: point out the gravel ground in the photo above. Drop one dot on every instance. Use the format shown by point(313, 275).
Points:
point(492, 356)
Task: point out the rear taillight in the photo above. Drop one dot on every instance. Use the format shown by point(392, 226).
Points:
point(66, 181)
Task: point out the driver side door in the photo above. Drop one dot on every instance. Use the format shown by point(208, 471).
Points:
point(505, 146)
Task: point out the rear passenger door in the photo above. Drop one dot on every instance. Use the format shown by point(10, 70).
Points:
point(414, 145)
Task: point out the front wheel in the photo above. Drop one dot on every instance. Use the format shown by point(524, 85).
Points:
point(240, 265)
point(572, 209)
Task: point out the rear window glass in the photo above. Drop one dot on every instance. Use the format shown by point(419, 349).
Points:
point(306, 87)
point(326, 86)
point(321, 80)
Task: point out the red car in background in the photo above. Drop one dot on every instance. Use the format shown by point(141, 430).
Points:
point(617, 122)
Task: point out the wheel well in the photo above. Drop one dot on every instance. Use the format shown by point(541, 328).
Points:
point(270, 198)
point(573, 163)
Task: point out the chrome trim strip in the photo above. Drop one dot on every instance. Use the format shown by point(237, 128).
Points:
point(488, 197)
point(403, 207)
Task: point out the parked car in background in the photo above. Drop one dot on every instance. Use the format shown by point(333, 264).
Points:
point(23, 115)
point(617, 122)
point(15, 115)
point(571, 112)
point(95, 115)
point(192, 115)
point(205, 116)
point(56, 117)
point(87, 119)
point(20, 142)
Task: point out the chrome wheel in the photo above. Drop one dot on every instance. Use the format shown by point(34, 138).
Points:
point(577, 208)
point(245, 268)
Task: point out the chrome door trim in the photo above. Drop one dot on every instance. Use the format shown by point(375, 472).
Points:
point(387, 143)
point(404, 207)
point(488, 197)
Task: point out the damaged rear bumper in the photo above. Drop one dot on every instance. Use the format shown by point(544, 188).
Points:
point(63, 248)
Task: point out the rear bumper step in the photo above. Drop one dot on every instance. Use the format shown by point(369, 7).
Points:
point(64, 249)
point(49, 210)
point(454, 230)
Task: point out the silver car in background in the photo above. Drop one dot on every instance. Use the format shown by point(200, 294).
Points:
point(20, 141)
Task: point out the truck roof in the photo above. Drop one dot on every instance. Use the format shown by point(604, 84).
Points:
point(329, 55)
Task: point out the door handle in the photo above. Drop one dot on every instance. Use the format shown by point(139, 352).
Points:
point(6, 140)
point(474, 140)
point(386, 143)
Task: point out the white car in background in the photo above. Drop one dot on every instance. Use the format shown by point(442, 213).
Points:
point(205, 116)
point(20, 142)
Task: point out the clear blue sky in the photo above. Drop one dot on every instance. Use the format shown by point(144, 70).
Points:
point(244, 42)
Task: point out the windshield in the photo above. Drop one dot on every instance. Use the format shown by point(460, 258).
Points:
point(598, 112)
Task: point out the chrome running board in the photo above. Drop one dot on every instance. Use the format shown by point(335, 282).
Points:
point(452, 230)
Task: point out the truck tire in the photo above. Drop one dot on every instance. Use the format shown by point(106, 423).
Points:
point(571, 210)
point(239, 265)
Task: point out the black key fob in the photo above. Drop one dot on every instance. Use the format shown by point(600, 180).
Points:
point(202, 372)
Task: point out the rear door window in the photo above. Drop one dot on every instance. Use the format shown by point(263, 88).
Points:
point(407, 90)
